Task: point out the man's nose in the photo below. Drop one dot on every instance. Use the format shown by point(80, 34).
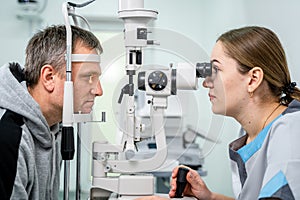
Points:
point(97, 91)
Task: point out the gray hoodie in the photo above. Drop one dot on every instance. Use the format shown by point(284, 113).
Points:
point(30, 149)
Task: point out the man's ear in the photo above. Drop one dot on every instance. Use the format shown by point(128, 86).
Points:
point(47, 77)
point(256, 76)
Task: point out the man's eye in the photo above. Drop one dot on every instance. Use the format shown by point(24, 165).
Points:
point(93, 78)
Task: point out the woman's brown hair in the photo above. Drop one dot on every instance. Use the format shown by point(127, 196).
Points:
point(255, 46)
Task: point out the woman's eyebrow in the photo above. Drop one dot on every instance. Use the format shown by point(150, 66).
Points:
point(214, 60)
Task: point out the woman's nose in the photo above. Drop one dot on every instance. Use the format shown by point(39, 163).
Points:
point(207, 83)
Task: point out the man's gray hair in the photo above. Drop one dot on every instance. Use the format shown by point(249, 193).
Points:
point(48, 47)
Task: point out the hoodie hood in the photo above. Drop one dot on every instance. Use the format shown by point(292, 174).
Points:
point(15, 97)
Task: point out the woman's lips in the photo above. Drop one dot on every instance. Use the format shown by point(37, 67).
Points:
point(211, 97)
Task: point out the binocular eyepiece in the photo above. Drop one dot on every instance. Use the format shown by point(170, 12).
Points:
point(184, 77)
point(203, 70)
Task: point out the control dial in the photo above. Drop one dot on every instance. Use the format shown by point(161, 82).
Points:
point(157, 80)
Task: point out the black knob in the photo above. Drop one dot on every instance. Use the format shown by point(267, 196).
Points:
point(67, 143)
point(141, 81)
point(181, 181)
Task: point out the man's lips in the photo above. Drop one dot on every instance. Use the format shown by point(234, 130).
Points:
point(90, 103)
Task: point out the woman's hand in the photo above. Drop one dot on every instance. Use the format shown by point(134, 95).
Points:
point(195, 185)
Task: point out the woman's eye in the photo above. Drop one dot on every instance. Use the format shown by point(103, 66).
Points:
point(215, 68)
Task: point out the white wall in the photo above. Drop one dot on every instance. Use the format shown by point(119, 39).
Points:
point(201, 20)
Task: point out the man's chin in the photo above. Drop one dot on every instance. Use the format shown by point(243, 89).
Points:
point(85, 108)
point(84, 111)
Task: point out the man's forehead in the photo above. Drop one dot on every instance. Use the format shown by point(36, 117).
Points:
point(89, 68)
point(81, 48)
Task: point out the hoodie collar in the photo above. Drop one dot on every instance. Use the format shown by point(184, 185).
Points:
point(294, 106)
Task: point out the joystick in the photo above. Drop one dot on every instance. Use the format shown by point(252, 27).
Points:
point(181, 181)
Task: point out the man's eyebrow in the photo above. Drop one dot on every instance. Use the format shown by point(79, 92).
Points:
point(89, 71)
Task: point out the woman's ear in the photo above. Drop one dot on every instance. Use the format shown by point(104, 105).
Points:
point(256, 76)
point(47, 77)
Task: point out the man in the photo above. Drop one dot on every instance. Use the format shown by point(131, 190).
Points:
point(31, 108)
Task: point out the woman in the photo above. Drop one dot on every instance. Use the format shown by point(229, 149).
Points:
point(251, 83)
